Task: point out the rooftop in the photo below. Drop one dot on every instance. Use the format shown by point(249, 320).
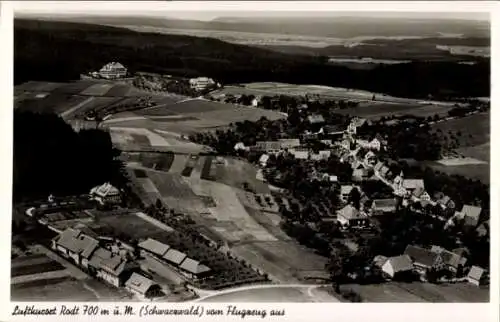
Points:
point(154, 246)
point(401, 263)
point(476, 273)
point(174, 256)
point(193, 266)
point(139, 283)
point(413, 183)
point(349, 213)
point(76, 242)
point(385, 205)
point(105, 190)
point(422, 256)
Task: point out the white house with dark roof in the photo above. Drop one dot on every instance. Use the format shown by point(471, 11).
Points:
point(113, 70)
point(142, 287)
point(194, 269)
point(397, 266)
point(351, 217)
point(476, 275)
point(105, 194)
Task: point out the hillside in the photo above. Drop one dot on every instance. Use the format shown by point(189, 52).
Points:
point(60, 51)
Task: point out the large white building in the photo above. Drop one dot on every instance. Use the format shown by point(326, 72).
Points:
point(106, 194)
point(201, 83)
point(113, 70)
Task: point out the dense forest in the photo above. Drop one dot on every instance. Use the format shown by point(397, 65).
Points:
point(49, 157)
point(60, 51)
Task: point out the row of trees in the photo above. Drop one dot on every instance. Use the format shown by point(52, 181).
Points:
point(51, 158)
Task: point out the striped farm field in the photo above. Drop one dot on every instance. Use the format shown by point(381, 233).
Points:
point(118, 90)
point(74, 88)
point(36, 268)
point(38, 86)
point(97, 89)
point(52, 103)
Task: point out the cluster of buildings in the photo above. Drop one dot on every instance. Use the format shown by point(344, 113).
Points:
point(110, 261)
point(420, 261)
point(163, 253)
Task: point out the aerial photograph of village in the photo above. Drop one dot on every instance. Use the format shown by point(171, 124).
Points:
point(271, 157)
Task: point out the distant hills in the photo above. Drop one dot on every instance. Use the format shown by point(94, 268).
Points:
point(60, 51)
point(338, 27)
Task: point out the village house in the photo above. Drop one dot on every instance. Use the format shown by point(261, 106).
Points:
point(397, 267)
point(85, 252)
point(256, 101)
point(300, 154)
point(454, 263)
point(194, 269)
point(321, 155)
point(383, 206)
point(424, 259)
point(276, 146)
point(113, 70)
point(350, 217)
point(345, 191)
point(445, 202)
point(412, 184)
point(110, 267)
point(354, 124)
point(333, 131)
point(316, 119)
point(74, 245)
point(106, 194)
point(419, 194)
point(374, 144)
point(471, 215)
point(483, 229)
point(476, 276)
point(142, 287)
point(360, 174)
point(263, 160)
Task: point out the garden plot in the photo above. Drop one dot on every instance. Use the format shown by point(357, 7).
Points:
point(230, 211)
point(154, 139)
point(97, 89)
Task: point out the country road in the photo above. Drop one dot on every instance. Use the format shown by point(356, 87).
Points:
point(249, 293)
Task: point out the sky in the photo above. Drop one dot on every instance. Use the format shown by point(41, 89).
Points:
point(207, 10)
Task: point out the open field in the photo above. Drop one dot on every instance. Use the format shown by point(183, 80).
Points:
point(97, 89)
point(375, 110)
point(420, 292)
point(236, 172)
point(475, 129)
point(480, 152)
point(476, 171)
point(74, 88)
point(62, 289)
point(52, 103)
point(131, 225)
